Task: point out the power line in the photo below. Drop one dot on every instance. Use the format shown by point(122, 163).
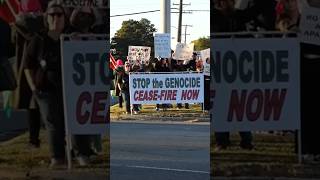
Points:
point(135, 13)
point(144, 12)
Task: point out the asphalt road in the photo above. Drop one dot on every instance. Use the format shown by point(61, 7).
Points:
point(142, 151)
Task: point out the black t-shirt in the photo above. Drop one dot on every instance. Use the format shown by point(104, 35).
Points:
point(44, 59)
point(5, 32)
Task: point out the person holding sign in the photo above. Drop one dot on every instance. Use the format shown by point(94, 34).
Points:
point(43, 73)
point(228, 19)
point(82, 20)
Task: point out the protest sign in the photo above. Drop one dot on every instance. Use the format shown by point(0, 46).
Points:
point(139, 54)
point(154, 88)
point(309, 24)
point(85, 86)
point(205, 56)
point(183, 51)
point(162, 45)
point(87, 3)
point(256, 84)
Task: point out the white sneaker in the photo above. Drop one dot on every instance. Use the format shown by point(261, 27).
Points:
point(135, 112)
point(83, 160)
point(57, 164)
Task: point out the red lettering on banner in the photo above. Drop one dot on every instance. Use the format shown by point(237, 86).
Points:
point(98, 107)
point(263, 101)
point(258, 95)
point(174, 95)
point(237, 105)
point(184, 95)
point(163, 93)
point(275, 103)
point(195, 94)
point(169, 94)
point(136, 95)
point(190, 94)
point(155, 95)
point(140, 96)
point(83, 118)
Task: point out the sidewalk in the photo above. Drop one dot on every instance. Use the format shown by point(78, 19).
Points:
point(149, 113)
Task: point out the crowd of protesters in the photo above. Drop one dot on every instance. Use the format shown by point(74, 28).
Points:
point(162, 65)
point(37, 27)
point(283, 16)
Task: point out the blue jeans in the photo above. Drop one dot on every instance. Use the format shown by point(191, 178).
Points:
point(51, 109)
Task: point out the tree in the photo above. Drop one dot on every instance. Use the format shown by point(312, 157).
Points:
point(201, 43)
point(133, 33)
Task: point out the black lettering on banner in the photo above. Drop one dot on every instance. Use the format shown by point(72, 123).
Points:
point(257, 66)
point(230, 59)
point(282, 64)
point(267, 58)
point(92, 58)
point(103, 69)
point(80, 76)
point(245, 76)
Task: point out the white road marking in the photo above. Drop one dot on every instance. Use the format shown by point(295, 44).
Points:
point(164, 169)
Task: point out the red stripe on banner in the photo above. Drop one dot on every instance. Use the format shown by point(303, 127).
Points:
point(112, 62)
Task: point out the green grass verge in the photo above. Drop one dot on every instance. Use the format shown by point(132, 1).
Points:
point(273, 156)
point(16, 154)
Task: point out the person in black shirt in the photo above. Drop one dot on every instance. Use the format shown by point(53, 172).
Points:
point(43, 73)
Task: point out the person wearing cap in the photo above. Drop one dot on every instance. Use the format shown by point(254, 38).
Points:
point(43, 73)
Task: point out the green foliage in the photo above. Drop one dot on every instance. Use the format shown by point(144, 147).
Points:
point(201, 43)
point(133, 33)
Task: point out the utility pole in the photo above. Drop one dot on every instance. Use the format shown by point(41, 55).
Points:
point(185, 32)
point(180, 20)
point(165, 12)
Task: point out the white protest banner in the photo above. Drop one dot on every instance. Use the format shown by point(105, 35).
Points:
point(205, 56)
point(309, 24)
point(86, 3)
point(256, 84)
point(183, 51)
point(139, 54)
point(162, 45)
point(85, 86)
point(155, 88)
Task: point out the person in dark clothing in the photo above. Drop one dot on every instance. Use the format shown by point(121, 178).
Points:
point(310, 64)
point(228, 19)
point(43, 73)
point(178, 66)
point(192, 64)
point(162, 65)
point(123, 87)
point(82, 20)
point(5, 33)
